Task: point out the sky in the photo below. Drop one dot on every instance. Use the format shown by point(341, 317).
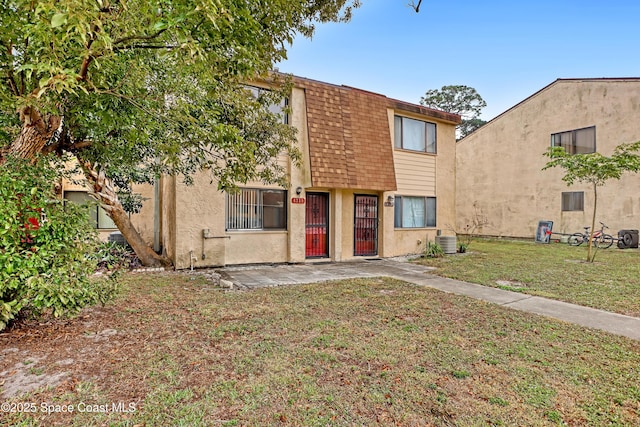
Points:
point(506, 50)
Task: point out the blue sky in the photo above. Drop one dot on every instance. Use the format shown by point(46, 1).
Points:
point(506, 50)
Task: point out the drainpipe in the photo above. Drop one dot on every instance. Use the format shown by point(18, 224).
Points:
point(156, 215)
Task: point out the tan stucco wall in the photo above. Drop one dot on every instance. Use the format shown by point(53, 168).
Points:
point(201, 207)
point(499, 167)
point(143, 220)
point(423, 174)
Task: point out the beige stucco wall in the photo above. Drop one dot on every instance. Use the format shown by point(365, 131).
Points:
point(499, 167)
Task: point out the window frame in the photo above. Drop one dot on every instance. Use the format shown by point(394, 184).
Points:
point(572, 135)
point(247, 221)
point(572, 201)
point(96, 213)
point(399, 135)
point(278, 109)
point(430, 212)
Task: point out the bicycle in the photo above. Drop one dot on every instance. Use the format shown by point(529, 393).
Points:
point(601, 240)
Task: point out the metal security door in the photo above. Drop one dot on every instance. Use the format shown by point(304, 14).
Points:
point(366, 226)
point(317, 225)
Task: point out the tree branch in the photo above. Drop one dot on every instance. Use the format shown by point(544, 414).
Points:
point(131, 38)
point(10, 76)
point(84, 69)
point(416, 7)
point(145, 46)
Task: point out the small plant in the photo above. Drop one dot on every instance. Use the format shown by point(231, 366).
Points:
point(113, 256)
point(461, 374)
point(462, 248)
point(434, 250)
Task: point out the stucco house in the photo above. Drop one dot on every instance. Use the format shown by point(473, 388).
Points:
point(500, 184)
point(377, 180)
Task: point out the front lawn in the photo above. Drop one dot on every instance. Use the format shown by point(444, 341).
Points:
point(181, 352)
point(555, 270)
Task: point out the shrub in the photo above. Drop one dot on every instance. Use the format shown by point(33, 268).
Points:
point(44, 246)
point(434, 250)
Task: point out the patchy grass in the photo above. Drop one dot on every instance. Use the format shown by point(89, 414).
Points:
point(556, 271)
point(355, 352)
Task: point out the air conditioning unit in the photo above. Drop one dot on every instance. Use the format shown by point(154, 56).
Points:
point(118, 238)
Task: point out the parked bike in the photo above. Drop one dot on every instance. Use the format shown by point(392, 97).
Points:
point(600, 238)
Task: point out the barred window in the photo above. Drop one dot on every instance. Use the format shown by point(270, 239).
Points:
point(256, 209)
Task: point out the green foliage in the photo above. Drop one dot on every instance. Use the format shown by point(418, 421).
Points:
point(152, 87)
point(43, 246)
point(434, 250)
point(595, 169)
point(458, 99)
point(115, 257)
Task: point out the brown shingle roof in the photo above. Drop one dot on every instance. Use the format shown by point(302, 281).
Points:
point(349, 138)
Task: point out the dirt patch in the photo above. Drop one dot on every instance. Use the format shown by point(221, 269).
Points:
point(58, 353)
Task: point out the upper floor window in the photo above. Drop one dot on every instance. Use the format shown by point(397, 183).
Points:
point(579, 141)
point(257, 209)
point(416, 135)
point(276, 108)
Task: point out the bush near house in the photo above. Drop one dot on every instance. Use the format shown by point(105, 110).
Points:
point(44, 245)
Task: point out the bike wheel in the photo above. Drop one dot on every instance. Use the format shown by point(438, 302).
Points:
point(604, 241)
point(575, 239)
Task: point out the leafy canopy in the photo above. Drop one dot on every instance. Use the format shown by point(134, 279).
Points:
point(43, 246)
point(458, 99)
point(149, 87)
point(594, 168)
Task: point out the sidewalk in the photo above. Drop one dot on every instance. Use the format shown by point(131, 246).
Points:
point(278, 275)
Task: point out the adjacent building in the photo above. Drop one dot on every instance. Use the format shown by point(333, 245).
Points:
point(501, 189)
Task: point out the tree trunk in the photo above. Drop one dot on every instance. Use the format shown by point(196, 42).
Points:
point(593, 224)
point(35, 134)
point(38, 131)
point(104, 192)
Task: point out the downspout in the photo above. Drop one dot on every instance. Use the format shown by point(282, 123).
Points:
point(156, 215)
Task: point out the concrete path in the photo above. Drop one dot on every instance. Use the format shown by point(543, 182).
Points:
point(278, 275)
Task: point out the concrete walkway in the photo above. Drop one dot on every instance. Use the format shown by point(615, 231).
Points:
point(278, 275)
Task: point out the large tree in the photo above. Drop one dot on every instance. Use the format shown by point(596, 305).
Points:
point(458, 99)
point(140, 88)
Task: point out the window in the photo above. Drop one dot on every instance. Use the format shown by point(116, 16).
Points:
point(99, 217)
point(253, 209)
point(416, 135)
point(415, 212)
point(573, 201)
point(579, 141)
point(277, 109)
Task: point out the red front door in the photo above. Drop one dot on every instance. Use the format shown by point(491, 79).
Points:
point(317, 225)
point(366, 226)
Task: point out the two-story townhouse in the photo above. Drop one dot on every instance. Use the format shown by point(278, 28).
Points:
point(377, 179)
